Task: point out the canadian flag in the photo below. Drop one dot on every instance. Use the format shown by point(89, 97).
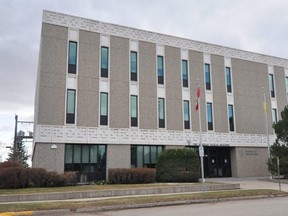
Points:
point(198, 96)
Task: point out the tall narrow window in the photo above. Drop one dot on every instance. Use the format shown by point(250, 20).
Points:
point(161, 112)
point(160, 67)
point(274, 116)
point(286, 82)
point(271, 85)
point(104, 61)
point(207, 77)
point(209, 116)
point(231, 117)
point(103, 108)
point(70, 107)
point(228, 79)
point(134, 110)
point(133, 66)
point(72, 57)
point(185, 73)
point(186, 114)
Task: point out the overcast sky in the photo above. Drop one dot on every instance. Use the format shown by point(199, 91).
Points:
point(255, 25)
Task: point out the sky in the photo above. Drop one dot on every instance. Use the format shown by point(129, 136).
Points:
point(253, 25)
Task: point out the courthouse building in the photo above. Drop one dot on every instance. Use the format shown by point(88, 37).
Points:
point(110, 96)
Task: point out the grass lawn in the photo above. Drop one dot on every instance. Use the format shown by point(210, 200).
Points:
point(73, 205)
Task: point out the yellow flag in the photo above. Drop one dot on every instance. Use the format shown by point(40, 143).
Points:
point(264, 106)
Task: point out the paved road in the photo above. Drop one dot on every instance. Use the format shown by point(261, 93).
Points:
point(261, 207)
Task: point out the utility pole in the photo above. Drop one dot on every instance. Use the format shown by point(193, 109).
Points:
point(15, 137)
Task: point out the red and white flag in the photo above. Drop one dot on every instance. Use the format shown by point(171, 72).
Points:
point(198, 96)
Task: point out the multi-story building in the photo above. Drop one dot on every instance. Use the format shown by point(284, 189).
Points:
point(110, 96)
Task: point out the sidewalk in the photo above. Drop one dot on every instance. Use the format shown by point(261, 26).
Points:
point(253, 183)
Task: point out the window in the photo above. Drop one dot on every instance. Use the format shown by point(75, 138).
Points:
point(145, 156)
point(209, 116)
point(161, 112)
point(185, 73)
point(160, 67)
point(70, 106)
point(271, 85)
point(133, 66)
point(207, 77)
point(72, 57)
point(104, 61)
point(134, 110)
point(86, 159)
point(186, 115)
point(286, 82)
point(274, 116)
point(231, 117)
point(228, 79)
point(103, 108)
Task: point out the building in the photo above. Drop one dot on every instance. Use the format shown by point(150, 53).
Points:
point(110, 96)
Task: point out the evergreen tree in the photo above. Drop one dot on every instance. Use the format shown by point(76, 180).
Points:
point(280, 147)
point(18, 153)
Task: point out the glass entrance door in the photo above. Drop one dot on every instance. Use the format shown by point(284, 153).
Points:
point(217, 162)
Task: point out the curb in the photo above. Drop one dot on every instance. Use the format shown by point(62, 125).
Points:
point(152, 205)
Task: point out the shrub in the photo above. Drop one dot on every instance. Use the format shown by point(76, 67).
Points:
point(55, 179)
point(7, 164)
point(131, 176)
point(178, 165)
point(13, 177)
point(70, 178)
point(37, 177)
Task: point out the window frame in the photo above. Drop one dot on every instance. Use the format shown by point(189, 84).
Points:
point(231, 116)
point(72, 67)
point(186, 122)
point(133, 75)
point(104, 70)
point(228, 79)
point(138, 159)
point(208, 83)
point(271, 85)
point(274, 116)
point(70, 116)
point(160, 75)
point(161, 121)
point(209, 109)
point(134, 119)
point(103, 117)
point(185, 71)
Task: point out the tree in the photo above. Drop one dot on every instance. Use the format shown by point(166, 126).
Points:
point(280, 147)
point(18, 152)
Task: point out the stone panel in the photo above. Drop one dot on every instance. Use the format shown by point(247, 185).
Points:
point(248, 79)
point(280, 86)
point(88, 79)
point(119, 82)
point(250, 162)
point(172, 75)
point(196, 70)
point(49, 158)
point(147, 86)
point(219, 93)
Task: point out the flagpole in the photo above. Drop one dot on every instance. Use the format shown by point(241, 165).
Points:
point(266, 121)
point(201, 149)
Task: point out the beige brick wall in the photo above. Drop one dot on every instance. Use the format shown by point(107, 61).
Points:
point(280, 87)
point(119, 82)
point(88, 79)
point(248, 79)
point(147, 86)
point(196, 70)
point(219, 94)
point(52, 75)
point(249, 162)
point(48, 158)
point(172, 75)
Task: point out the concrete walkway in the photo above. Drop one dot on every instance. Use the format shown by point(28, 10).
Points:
point(254, 183)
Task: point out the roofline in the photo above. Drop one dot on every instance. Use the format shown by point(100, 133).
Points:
point(75, 22)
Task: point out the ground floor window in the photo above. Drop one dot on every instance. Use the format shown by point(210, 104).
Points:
point(88, 160)
point(145, 155)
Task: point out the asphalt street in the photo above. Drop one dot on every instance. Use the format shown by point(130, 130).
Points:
point(260, 207)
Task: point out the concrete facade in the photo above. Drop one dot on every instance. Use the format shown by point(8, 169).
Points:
point(249, 73)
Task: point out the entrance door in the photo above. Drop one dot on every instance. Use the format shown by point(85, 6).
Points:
point(217, 162)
